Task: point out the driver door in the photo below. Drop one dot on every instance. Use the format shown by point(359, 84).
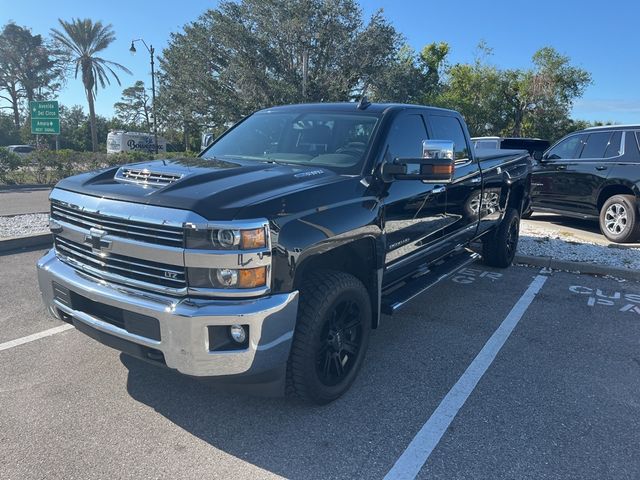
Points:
point(548, 184)
point(414, 211)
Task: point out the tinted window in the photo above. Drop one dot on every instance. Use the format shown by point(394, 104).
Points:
point(449, 128)
point(406, 136)
point(613, 148)
point(567, 148)
point(596, 145)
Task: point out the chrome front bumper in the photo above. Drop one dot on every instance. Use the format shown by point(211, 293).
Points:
point(183, 322)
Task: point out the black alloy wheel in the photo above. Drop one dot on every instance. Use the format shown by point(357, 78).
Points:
point(339, 343)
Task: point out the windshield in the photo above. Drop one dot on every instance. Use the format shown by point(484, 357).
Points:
point(331, 140)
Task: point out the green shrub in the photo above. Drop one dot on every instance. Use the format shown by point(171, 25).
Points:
point(10, 165)
point(48, 166)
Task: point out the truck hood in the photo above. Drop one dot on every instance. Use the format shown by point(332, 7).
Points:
point(214, 189)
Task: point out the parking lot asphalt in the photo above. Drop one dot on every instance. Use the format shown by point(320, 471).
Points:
point(20, 201)
point(560, 400)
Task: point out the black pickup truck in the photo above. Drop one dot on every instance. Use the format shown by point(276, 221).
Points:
point(270, 258)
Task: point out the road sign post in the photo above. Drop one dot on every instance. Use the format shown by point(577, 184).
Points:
point(45, 118)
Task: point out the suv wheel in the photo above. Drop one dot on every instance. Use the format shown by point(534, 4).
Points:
point(499, 249)
point(619, 219)
point(331, 336)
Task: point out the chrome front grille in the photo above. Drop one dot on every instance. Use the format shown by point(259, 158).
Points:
point(120, 268)
point(119, 227)
point(147, 177)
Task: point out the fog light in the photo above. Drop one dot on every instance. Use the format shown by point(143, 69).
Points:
point(238, 333)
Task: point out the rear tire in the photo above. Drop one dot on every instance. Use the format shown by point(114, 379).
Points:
point(499, 248)
point(331, 336)
point(619, 219)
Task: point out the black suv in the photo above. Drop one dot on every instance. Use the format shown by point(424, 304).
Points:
point(593, 174)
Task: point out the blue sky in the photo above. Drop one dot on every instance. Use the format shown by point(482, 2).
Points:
point(601, 37)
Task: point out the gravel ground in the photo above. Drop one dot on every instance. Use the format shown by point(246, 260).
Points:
point(542, 242)
point(24, 225)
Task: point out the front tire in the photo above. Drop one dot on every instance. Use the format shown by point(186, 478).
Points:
point(499, 249)
point(619, 219)
point(331, 336)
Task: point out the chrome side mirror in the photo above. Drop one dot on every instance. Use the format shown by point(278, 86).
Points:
point(438, 149)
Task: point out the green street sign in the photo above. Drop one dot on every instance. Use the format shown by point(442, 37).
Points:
point(45, 127)
point(45, 118)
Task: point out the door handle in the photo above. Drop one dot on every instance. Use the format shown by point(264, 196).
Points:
point(601, 167)
point(439, 189)
point(475, 180)
point(561, 167)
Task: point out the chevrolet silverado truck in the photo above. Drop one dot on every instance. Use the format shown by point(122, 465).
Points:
point(268, 260)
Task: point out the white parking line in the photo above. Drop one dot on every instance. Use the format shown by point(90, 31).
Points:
point(426, 440)
point(35, 336)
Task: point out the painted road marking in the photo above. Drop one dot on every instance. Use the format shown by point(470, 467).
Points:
point(597, 296)
point(470, 275)
point(426, 440)
point(35, 336)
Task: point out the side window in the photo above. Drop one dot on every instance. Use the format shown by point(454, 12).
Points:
point(568, 148)
point(614, 147)
point(449, 128)
point(596, 145)
point(406, 136)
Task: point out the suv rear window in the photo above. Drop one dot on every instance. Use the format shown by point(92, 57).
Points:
point(596, 145)
point(613, 150)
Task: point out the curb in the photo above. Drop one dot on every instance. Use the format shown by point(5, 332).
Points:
point(23, 243)
point(587, 268)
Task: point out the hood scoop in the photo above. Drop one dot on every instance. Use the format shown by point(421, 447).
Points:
point(146, 177)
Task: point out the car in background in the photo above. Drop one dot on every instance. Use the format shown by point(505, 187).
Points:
point(21, 150)
point(593, 174)
point(535, 146)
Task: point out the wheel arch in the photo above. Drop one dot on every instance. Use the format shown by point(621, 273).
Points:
point(360, 258)
point(612, 189)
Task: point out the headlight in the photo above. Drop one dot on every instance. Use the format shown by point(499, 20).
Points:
point(226, 239)
point(227, 277)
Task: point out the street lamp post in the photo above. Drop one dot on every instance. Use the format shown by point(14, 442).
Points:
point(153, 87)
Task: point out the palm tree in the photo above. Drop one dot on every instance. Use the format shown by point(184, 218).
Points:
point(83, 39)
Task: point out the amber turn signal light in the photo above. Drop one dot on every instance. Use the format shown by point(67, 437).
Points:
point(253, 238)
point(252, 277)
point(443, 169)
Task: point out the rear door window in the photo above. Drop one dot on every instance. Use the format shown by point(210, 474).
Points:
point(596, 144)
point(449, 128)
point(569, 148)
point(614, 146)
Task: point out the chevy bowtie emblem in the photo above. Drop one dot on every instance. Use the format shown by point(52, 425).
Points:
point(98, 245)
